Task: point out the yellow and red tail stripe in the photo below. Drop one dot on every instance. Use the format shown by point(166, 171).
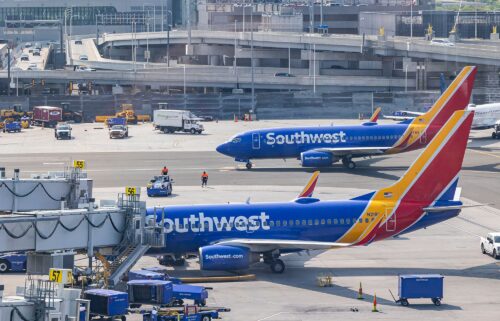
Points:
point(375, 115)
point(401, 204)
point(424, 127)
point(309, 189)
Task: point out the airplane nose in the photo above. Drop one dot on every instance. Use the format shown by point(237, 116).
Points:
point(223, 149)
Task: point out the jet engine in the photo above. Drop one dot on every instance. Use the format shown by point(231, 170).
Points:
point(316, 159)
point(226, 257)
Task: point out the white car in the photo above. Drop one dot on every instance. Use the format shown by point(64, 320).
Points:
point(491, 245)
point(442, 42)
point(84, 57)
point(33, 66)
point(84, 68)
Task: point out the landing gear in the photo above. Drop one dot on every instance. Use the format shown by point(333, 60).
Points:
point(277, 266)
point(249, 165)
point(170, 260)
point(348, 163)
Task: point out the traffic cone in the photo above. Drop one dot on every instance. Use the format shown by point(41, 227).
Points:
point(375, 303)
point(360, 292)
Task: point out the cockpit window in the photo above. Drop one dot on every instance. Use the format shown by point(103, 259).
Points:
point(236, 140)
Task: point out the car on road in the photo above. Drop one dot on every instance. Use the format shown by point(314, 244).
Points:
point(283, 74)
point(83, 57)
point(84, 68)
point(491, 245)
point(62, 131)
point(27, 45)
point(25, 57)
point(38, 45)
point(33, 66)
point(118, 131)
point(36, 52)
point(442, 42)
point(78, 42)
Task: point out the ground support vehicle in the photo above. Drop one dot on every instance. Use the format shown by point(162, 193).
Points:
point(12, 127)
point(47, 116)
point(13, 262)
point(198, 294)
point(170, 121)
point(160, 186)
point(496, 131)
point(69, 115)
point(110, 122)
point(418, 286)
point(118, 131)
point(184, 313)
point(62, 131)
point(491, 245)
point(107, 304)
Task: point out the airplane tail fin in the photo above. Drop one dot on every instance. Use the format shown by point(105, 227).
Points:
point(434, 173)
point(375, 115)
point(455, 97)
point(310, 186)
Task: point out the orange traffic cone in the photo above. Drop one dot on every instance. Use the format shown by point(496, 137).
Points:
point(375, 303)
point(360, 292)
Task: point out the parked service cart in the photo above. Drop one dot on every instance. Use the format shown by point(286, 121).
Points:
point(190, 313)
point(160, 186)
point(419, 286)
point(47, 116)
point(107, 304)
point(12, 127)
point(153, 292)
point(144, 275)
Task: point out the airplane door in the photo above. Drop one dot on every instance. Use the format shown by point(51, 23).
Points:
point(390, 224)
point(255, 140)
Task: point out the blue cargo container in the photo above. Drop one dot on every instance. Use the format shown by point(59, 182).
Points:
point(163, 271)
point(150, 292)
point(116, 121)
point(107, 302)
point(12, 127)
point(417, 286)
point(191, 292)
point(145, 275)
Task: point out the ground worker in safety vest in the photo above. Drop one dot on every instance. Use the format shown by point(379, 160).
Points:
point(204, 179)
point(164, 171)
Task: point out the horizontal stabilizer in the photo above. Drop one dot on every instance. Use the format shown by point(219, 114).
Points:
point(434, 209)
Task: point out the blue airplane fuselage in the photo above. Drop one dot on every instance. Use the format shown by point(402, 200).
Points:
point(291, 142)
point(190, 227)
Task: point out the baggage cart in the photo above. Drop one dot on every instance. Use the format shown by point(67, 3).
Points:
point(419, 286)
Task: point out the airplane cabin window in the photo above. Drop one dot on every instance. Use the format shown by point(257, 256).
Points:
point(310, 222)
point(271, 223)
point(304, 222)
point(335, 221)
point(367, 220)
point(278, 223)
point(285, 223)
point(341, 221)
point(329, 221)
point(348, 221)
point(323, 222)
point(316, 222)
point(360, 220)
point(290, 223)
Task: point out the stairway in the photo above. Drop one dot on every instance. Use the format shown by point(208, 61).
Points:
point(125, 261)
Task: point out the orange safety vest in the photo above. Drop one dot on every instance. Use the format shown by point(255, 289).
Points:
point(204, 175)
point(164, 171)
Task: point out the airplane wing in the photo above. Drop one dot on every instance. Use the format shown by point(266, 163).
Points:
point(403, 115)
point(342, 151)
point(309, 188)
point(264, 245)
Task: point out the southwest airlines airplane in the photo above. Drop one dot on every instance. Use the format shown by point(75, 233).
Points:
point(233, 236)
point(323, 146)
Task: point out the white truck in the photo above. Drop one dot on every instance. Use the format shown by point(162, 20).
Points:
point(491, 245)
point(171, 120)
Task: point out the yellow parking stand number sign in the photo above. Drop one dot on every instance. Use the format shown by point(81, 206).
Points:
point(130, 190)
point(60, 275)
point(79, 164)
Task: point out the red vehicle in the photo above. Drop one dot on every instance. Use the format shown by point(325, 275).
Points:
point(47, 116)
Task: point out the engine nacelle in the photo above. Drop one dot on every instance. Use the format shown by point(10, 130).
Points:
point(225, 257)
point(316, 159)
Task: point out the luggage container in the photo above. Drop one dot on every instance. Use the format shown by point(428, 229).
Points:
point(145, 275)
point(419, 286)
point(190, 292)
point(154, 292)
point(164, 272)
point(107, 303)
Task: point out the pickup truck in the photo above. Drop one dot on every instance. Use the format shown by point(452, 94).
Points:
point(62, 131)
point(118, 131)
point(491, 245)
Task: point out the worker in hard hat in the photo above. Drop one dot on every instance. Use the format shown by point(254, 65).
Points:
point(204, 179)
point(164, 171)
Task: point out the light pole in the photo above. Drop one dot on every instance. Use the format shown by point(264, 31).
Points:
point(411, 19)
point(314, 68)
point(169, 25)
point(234, 58)
point(251, 57)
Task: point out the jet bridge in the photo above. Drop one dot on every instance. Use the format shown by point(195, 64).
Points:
point(119, 230)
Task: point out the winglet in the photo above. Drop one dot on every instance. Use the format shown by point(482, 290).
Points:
point(375, 115)
point(309, 188)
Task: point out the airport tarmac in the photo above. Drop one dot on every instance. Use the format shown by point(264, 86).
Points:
point(451, 248)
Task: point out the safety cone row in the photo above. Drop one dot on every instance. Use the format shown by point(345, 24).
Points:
point(360, 292)
point(375, 303)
